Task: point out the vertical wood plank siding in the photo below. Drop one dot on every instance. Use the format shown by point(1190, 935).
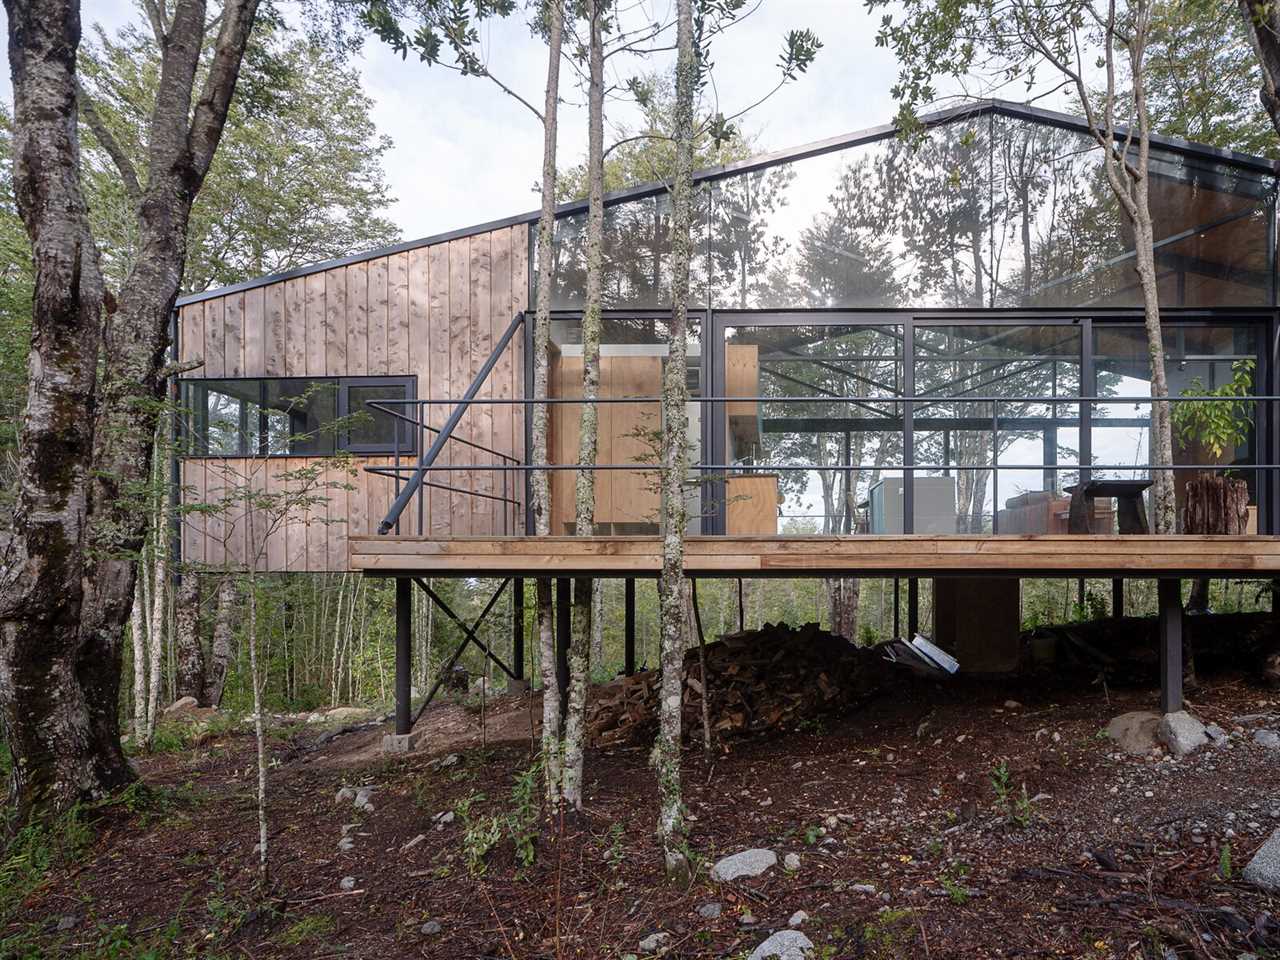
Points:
point(433, 312)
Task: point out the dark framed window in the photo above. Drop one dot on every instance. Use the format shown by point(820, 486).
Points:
point(296, 416)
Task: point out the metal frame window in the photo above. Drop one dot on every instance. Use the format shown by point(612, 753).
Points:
point(294, 416)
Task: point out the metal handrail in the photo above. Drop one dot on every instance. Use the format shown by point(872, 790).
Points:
point(427, 460)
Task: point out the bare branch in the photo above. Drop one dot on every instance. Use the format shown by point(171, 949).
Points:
point(128, 173)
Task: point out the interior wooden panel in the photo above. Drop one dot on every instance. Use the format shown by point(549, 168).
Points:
point(434, 312)
point(751, 507)
point(794, 556)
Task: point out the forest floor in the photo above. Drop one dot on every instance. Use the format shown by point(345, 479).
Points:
point(908, 815)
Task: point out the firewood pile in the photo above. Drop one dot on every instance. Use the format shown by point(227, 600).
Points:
point(765, 679)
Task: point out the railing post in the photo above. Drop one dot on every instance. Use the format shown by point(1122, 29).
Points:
point(404, 651)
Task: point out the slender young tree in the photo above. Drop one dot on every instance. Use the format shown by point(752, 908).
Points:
point(541, 498)
point(674, 463)
point(96, 375)
point(585, 485)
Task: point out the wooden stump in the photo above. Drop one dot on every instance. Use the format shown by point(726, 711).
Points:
point(1215, 505)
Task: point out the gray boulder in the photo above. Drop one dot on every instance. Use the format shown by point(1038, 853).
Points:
point(785, 945)
point(710, 911)
point(654, 943)
point(1264, 869)
point(1135, 732)
point(1182, 733)
point(748, 863)
point(1267, 738)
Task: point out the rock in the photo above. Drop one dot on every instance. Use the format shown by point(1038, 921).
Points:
point(442, 820)
point(344, 795)
point(346, 713)
point(1215, 732)
point(863, 888)
point(710, 911)
point(797, 918)
point(654, 943)
point(1012, 705)
point(785, 945)
point(181, 705)
point(346, 844)
point(1182, 733)
point(67, 923)
point(347, 883)
point(1264, 869)
point(431, 928)
point(362, 800)
point(1135, 732)
point(1267, 738)
point(791, 862)
point(748, 863)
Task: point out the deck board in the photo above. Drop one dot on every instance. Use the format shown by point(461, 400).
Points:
point(1030, 556)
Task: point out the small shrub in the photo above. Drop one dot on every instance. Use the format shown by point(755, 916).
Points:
point(315, 927)
point(1224, 862)
point(889, 935)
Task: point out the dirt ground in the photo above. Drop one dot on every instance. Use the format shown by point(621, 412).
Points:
point(905, 847)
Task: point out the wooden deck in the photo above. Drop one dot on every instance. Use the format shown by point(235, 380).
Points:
point(1026, 556)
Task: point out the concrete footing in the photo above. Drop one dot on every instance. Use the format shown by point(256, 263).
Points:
point(402, 742)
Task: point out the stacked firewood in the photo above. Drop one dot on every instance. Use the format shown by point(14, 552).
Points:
point(765, 679)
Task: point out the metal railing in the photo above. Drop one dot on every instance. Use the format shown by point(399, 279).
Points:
point(410, 478)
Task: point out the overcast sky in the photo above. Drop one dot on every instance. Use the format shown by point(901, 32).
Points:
point(465, 153)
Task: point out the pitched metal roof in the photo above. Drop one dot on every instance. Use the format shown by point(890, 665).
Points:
point(968, 110)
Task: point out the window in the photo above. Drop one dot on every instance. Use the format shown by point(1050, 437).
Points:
point(295, 417)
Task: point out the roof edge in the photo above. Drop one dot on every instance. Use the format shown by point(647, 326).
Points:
point(970, 108)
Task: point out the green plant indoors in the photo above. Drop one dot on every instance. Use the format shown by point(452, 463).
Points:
point(1219, 424)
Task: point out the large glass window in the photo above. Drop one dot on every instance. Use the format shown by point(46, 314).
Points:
point(294, 417)
point(987, 211)
point(824, 431)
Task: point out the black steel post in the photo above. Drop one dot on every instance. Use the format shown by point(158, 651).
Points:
point(913, 607)
point(564, 604)
point(404, 651)
point(897, 608)
point(1117, 597)
point(629, 625)
point(1170, 595)
point(517, 629)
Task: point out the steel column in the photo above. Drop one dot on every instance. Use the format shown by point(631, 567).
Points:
point(517, 629)
point(1170, 594)
point(404, 651)
point(629, 625)
point(1117, 597)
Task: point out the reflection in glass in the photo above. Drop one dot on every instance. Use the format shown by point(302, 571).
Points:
point(855, 437)
point(986, 211)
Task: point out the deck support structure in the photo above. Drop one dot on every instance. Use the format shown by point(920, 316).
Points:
point(1117, 598)
point(1170, 599)
point(517, 628)
point(629, 626)
point(404, 654)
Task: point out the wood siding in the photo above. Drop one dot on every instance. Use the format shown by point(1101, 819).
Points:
point(433, 312)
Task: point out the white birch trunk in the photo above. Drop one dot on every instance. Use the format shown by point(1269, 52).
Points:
point(137, 626)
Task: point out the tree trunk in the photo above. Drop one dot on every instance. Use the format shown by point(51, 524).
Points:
point(223, 630)
point(585, 485)
point(137, 627)
point(844, 594)
point(674, 452)
point(540, 502)
point(187, 640)
point(1262, 21)
point(45, 658)
point(69, 574)
point(159, 594)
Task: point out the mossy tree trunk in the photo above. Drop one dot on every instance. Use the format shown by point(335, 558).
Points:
point(674, 456)
point(541, 497)
point(585, 486)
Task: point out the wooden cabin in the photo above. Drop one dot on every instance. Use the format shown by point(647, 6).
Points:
point(900, 363)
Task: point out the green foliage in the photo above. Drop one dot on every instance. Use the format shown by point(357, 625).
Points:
point(890, 935)
point(1217, 424)
point(1015, 804)
point(481, 833)
point(1224, 862)
point(317, 926)
point(34, 849)
point(952, 880)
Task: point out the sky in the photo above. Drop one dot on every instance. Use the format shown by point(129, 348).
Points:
point(466, 153)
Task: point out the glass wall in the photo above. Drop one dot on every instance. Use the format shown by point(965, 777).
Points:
point(855, 437)
point(989, 211)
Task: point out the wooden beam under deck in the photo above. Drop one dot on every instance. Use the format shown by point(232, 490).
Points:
point(792, 556)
